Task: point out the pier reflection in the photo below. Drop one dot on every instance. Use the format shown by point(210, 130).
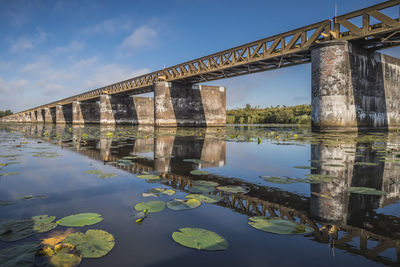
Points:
point(341, 219)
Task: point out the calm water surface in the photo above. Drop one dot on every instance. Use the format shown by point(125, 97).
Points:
point(349, 229)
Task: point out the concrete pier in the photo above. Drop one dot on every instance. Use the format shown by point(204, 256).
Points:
point(33, 116)
point(85, 112)
point(49, 115)
point(39, 116)
point(178, 104)
point(63, 114)
point(353, 89)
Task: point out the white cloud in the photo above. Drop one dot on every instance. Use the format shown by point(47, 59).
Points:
point(24, 43)
point(109, 26)
point(71, 48)
point(140, 37)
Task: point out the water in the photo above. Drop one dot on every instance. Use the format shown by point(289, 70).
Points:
point(348, 228)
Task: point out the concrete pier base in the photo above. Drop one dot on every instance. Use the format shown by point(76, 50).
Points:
point(178, 104)
point(126, 110)
point(39, 115)
point(85, 112)
point(63, 114)
point(32, 116)
point(50, 115)
point(353, 89)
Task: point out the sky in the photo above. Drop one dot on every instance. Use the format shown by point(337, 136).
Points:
point(52, 49)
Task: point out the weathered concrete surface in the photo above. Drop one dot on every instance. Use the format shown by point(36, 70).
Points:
point(186, 105)
point(64, 114)
point(50, 115)
point(353, 89)
point(85, 112)
point(32, 116)
point(39, 115)
point(126, 110)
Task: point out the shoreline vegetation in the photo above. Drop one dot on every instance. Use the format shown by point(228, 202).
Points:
point(299, 114)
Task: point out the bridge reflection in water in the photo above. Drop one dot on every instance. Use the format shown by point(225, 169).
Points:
point(345, 221)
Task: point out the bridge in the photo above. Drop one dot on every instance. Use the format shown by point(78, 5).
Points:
point(353, 86)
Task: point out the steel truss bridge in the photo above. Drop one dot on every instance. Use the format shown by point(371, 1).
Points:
point(379, 28)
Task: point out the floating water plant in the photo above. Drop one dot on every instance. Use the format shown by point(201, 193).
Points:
point(180, 204)
point(278, 226)
point(20, 255)
point(13, 230)
point(199, 172)
point(151, 206)
point(234, 189)
point(366, 191)
point(44, 223)
point(201, 239)
point(205, 198)
point(80, 219)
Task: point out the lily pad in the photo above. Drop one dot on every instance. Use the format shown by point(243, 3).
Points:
point(9, 173)
point(234, 189)
point(198, 172)
point(278, 226)
point(44, 223)
point(30, 197)
point(92, 244)
point(13, 230)
point(155, 192)
point(204, 183)
point(180, 204)
point(139, 217)
point(201, 239)
point(205, 198)
point(106, 175)
point(20, 255)
point(278, 180)
point(56, 237)
point(305, 167)
point(5, 203)
point(201, 189)
point(148, 176)
point(195, 161)
point(366, 191)
point(93, 172)
point(151, 206)
point(365, 163)
point(64, 255)
point(80, 219)
point(319, 178)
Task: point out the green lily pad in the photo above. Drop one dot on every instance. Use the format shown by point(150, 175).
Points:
point(106, 175)
point(366, 191)
point(20, 255)
point(204, 183)
point(80, 219)
point(201, 189)
point(148, 176)
point(30, 197)
point(5, 203)
point(9, 173)
point(64, 255)
point(365, 163)
point(13, 230)
point(305, 167)
point(198, 172)
point(93, 243)
point(151, 206)
point(139, 217)
point(155, 192)
point(180, 204)
point(44, 223)
point(319, 178)
point(198, 238)
point(278, 226)
point(278, 180)
point(205, 198)
point(195, 161)
point(234, 189)
point(93, 172)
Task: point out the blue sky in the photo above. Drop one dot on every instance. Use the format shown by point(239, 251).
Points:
point(54, 49)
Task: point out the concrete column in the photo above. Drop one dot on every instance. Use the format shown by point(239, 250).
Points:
point(85, 112)
point(126, 110)
point(189, 105)
point(353, 88)
point(39, 115)
point(27, 117)
point(33, 116)
point(50, 115)
point(64, 113)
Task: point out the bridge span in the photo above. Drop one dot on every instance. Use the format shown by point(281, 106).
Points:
point(353, 86)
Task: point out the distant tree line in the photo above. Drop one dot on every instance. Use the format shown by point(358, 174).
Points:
point(5, 113)
point(300, 114)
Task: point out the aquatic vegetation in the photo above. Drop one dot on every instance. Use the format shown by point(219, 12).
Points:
point(106, 175)
point(366, 191)
point(148, 176)
point(140, 216)
point(278, 226)
point(204, 183)
point(279, 180)
point(56, 237)
point(234, 189)
point(366, 163)
point(92, 244)
point(180, 204)
point(305, 167)
point(80, 219)
point(201, 239)
point(19, 255)
point(43, 223)
point(93, 172)
point(205, 198)
point(13, 230)
point(199, 172)
point(197, 161)
point(201, 189)
point(155, 192)
point(31, 197)
point(9, 173)
point(151, 206)
point(319, 178)
point(5, 203)
point(65, 255)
